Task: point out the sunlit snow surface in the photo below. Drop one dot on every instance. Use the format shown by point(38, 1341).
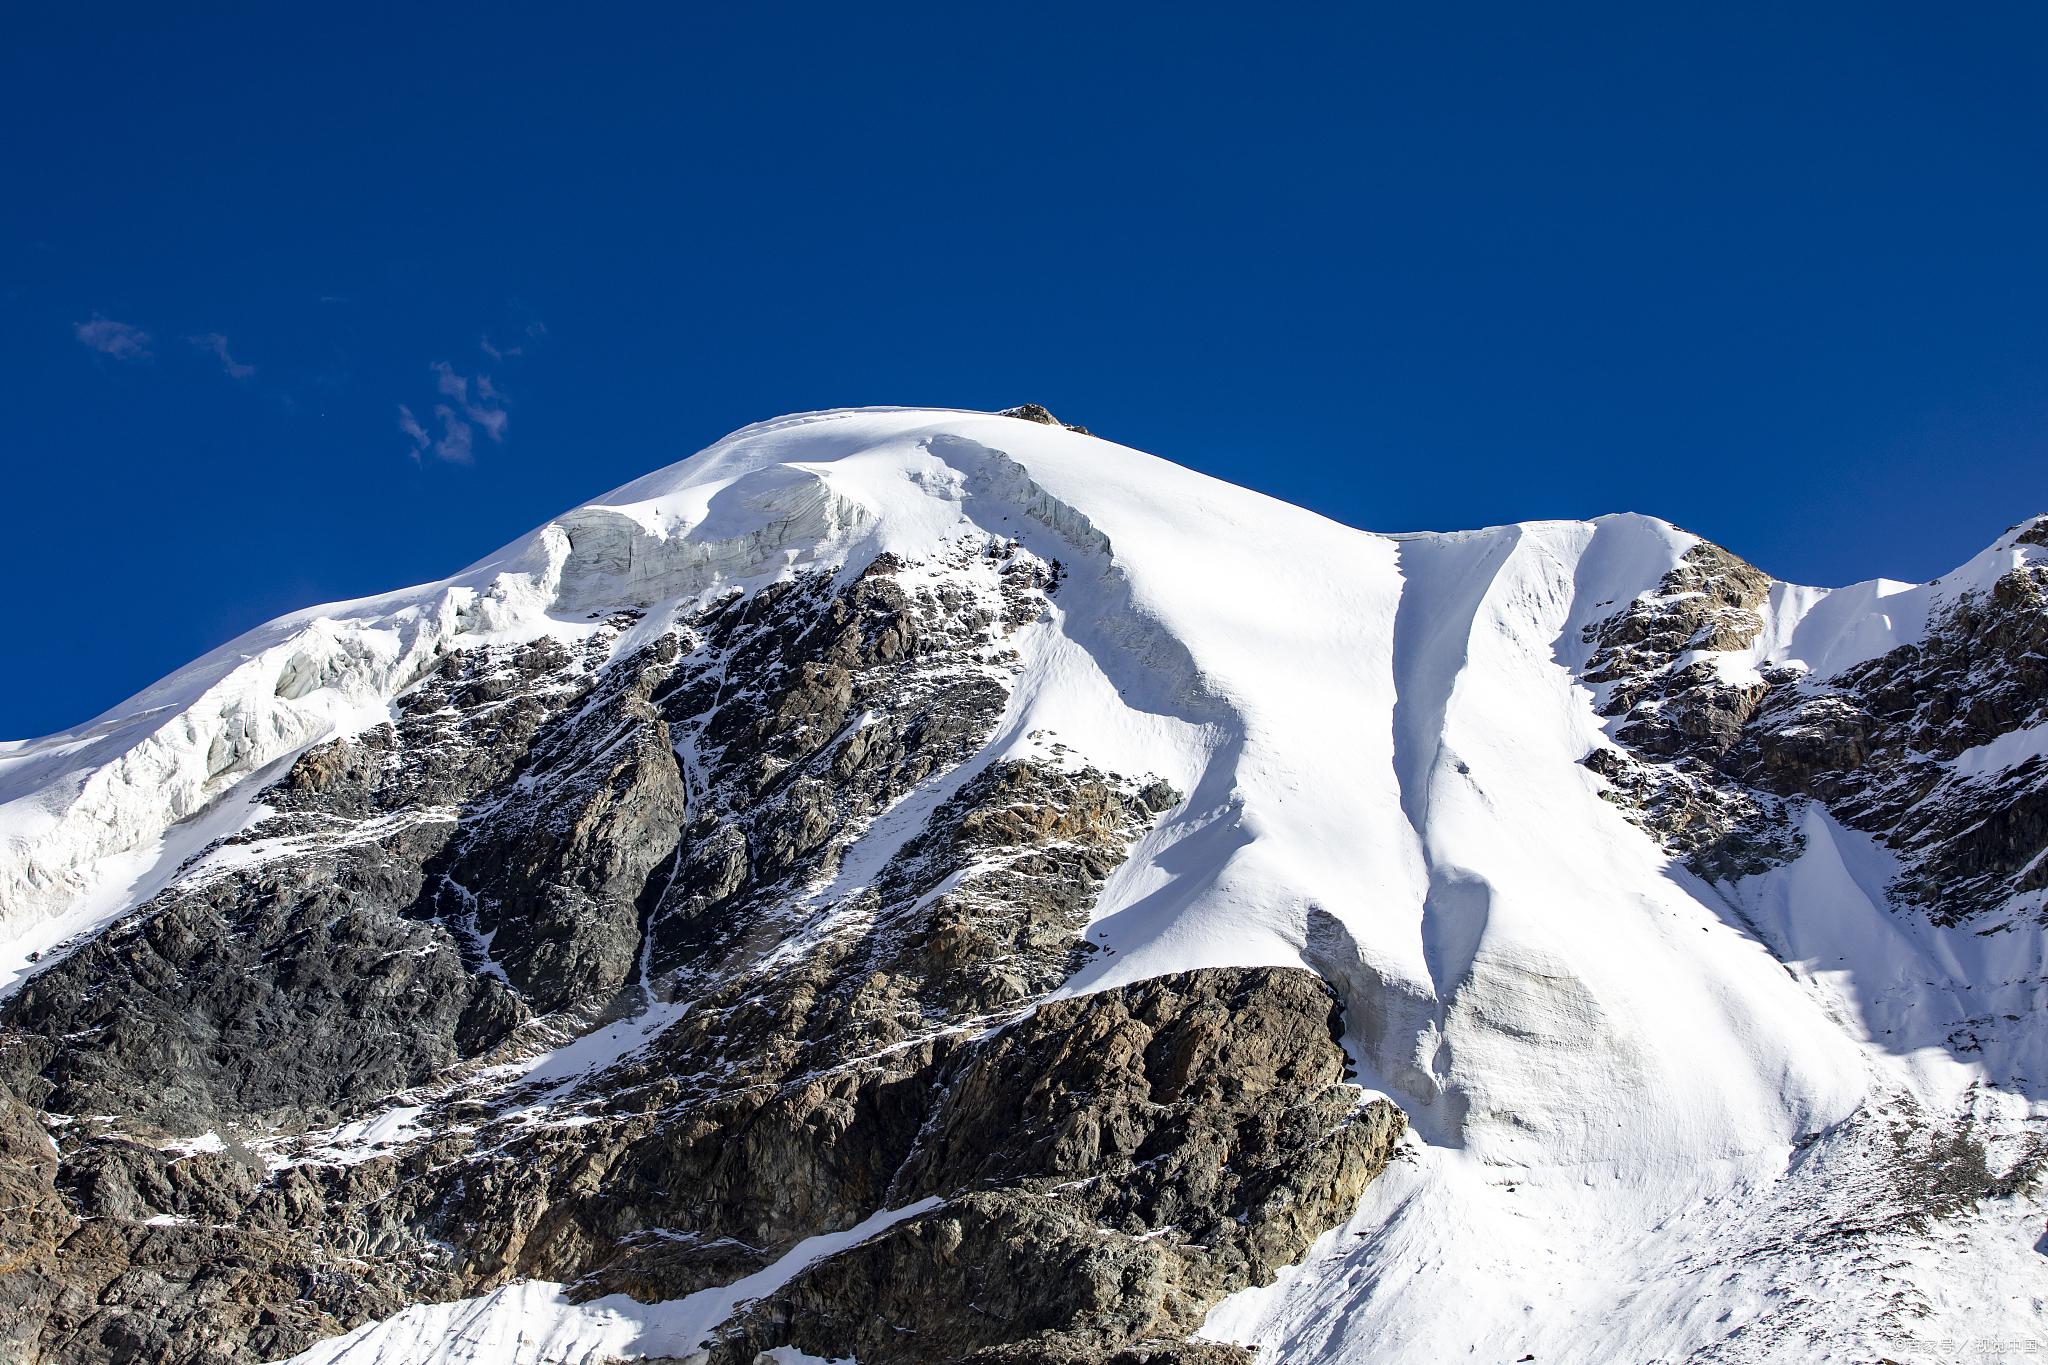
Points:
point(1635, 1097)
point(534, 1323)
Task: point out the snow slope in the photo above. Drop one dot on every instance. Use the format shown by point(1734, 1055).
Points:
point(1630, 1091)
point(534, 1323)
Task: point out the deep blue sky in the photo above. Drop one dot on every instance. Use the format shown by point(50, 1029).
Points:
point(1779, 274)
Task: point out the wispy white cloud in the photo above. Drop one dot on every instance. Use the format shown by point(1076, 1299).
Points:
point(455, 444)
point(477, 401)
point(117, 339)
point(492, 420)
point(218, 344)
point(488, 411)
point(469, 404)
point(414, 432)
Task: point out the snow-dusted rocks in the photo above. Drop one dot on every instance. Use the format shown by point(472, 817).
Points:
point(914, 846)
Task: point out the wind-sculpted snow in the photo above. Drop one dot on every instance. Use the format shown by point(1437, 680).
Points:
point(776, 518)
point(1693, 919)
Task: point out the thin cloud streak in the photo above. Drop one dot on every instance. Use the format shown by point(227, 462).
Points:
point(414, 432)
point(454, 445)
point(117, 339)
point(218, 344)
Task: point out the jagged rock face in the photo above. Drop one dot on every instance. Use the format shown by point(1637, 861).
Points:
point(550, 886)
point(1676, 716)
point(653, 828)
point(796, 1086)
point(1668, 703)
point(1152, 1148)
point(306, 971)
point(1717, 762)
point(1875, 744)
point(1037, 412)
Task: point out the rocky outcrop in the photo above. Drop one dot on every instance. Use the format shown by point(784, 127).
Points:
point(1107, 1167)
point(1111, 1167)
point(1722, 829)
point(1674, 713)
point(547, 890)
point(797, 1085)
point(1035, 412)
point(1713, 758)
point(1655, 661)
point(300, 971)
point(1885, 744)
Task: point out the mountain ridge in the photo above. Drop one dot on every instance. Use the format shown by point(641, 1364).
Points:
point(493, 581)
point(1001, 719)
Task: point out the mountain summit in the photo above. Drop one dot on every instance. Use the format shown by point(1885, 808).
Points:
point(923, 886)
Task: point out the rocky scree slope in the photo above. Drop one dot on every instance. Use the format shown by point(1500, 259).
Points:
point(929, 886)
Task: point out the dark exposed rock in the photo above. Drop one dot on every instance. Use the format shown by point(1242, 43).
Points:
point(289, 998)
point(1675, 716)
point(1723, 830)
point(553, 879)
point(1875, 742)
point(1051, 1352)
point(1717, 764)
point(298, 975)
point(1711, 603)
point(1111, 1167)
point(1034, 412)
point(796, 1087)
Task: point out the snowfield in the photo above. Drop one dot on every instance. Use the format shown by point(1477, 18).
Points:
point(1639, 1102)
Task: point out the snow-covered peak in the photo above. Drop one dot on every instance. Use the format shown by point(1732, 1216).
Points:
point(1267, 590)
point(85, 815)
point(82, 813)
point(1379, 743)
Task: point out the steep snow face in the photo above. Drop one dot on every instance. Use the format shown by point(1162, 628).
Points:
point(1629, 1089)
point(1825, 630)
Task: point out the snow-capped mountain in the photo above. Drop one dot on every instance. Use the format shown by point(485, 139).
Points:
point(916, 886)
